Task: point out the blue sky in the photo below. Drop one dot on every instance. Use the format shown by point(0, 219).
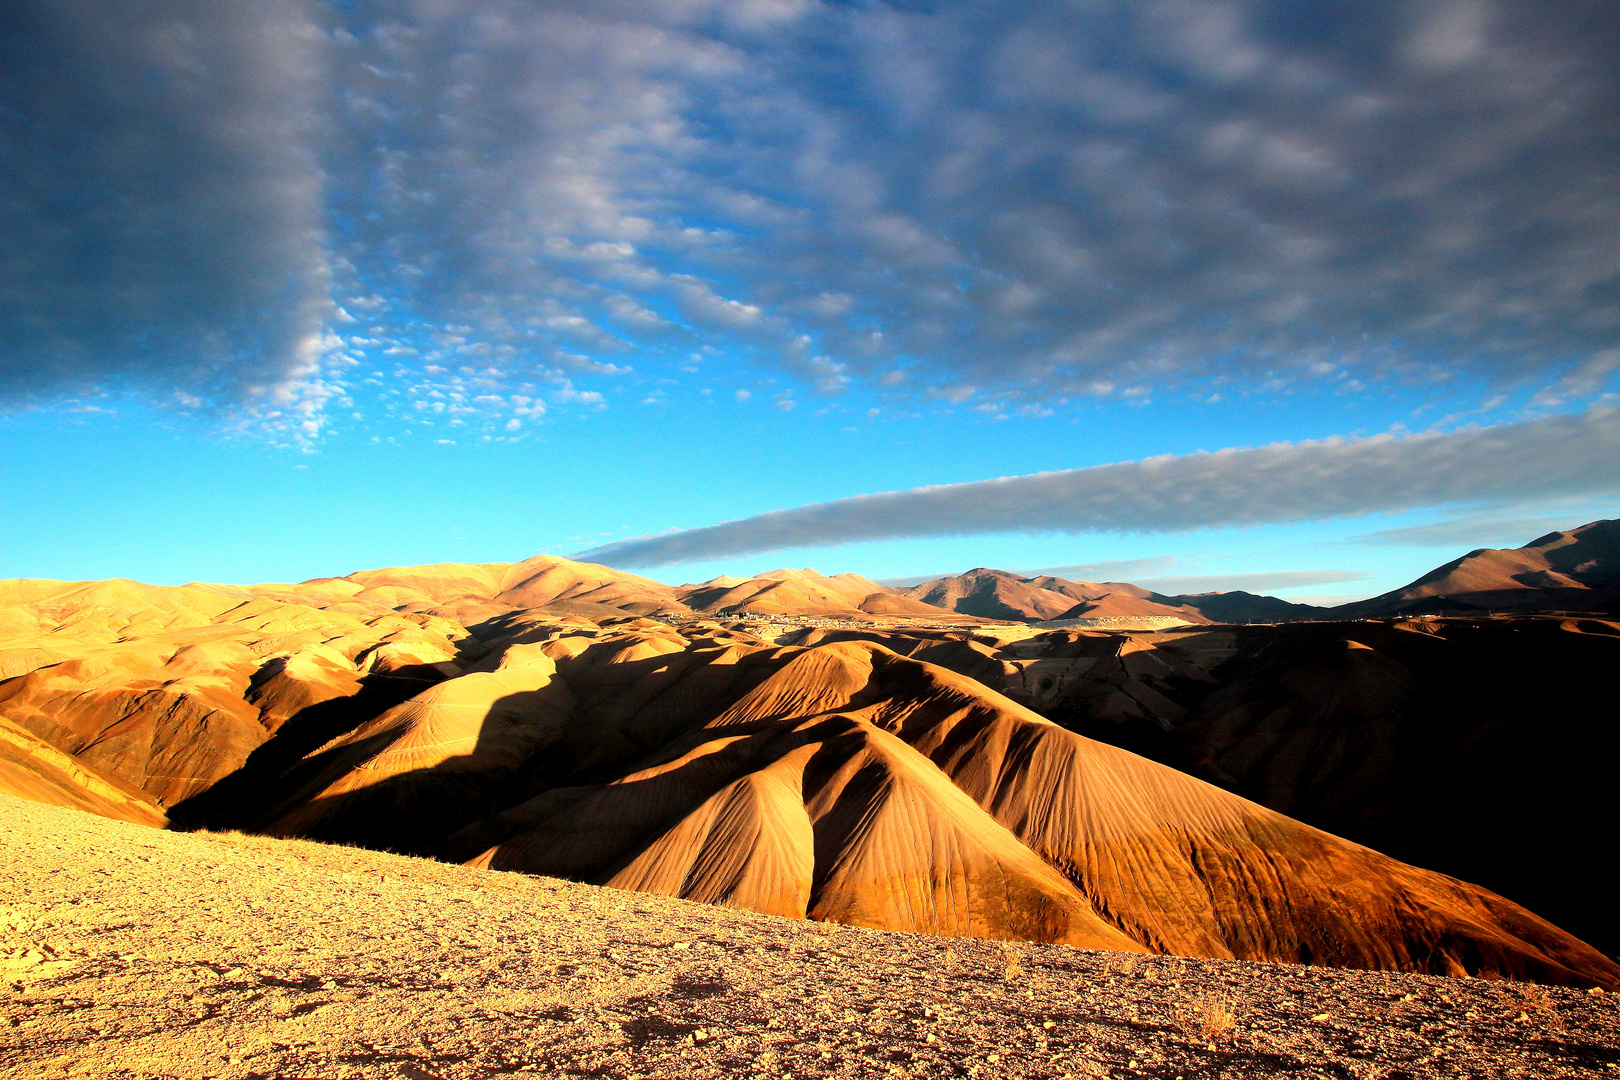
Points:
point(291, 289)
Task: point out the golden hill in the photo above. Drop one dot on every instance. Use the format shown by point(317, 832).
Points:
point(889, 778)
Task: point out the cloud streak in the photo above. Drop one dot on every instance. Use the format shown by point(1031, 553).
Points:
point(1255, 583)
point(1560, 455)
point(1473, 531)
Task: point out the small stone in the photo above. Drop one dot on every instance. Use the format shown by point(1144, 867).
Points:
point(1049, 1025)
point(1322, 1016)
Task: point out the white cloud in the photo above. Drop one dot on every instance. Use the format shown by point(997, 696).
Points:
point(1562, 455)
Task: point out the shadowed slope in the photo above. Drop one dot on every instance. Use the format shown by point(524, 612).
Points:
point(430, 764)
point(1168, 860)
point(1189, 868)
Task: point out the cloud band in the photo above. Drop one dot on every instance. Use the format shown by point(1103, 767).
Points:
point(1558, 455)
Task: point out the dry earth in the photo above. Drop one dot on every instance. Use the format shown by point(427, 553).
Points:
point(132, 952)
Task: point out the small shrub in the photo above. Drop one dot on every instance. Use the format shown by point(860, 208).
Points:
point(1537, 1003)
point(1209, 1017)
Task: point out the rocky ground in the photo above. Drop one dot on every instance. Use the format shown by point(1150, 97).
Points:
point(131, 952)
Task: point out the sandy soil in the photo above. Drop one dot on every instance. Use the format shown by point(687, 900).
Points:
point(131, 952)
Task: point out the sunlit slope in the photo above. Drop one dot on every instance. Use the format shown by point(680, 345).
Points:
point(1577, 570)
point(33, 769)
point(804, 592)
point(170, 689)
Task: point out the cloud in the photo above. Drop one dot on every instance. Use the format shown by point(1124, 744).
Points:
point(164, 207)
point(1255, 583)
point(1010, 200)
point(1024, 200)
point(1106, 571)
point(1559, 455)
point(1475, 531)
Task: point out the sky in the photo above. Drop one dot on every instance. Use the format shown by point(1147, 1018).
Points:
point(1298, 297)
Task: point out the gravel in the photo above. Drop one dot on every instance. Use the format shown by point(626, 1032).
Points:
point(132, 952)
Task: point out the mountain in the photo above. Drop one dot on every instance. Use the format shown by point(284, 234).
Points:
point(803, 592)
point(998, 594)
point(471, 592)
point(1578, 570)
point(846, 782)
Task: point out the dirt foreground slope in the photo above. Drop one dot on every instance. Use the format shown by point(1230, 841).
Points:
point(132, 952)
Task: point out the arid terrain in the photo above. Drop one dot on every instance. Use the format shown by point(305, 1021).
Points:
point(130, 952)
point(1118, 800)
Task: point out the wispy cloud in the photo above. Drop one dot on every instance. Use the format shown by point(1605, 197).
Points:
point(1559, 455)
point(1003, 201)
point(1472, 531)
point(1255, 583)
point(1118, 570)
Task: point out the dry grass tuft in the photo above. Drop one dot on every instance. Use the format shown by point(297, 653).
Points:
point(1012, 959)
point(1209, 1017)
point(1537, 1003)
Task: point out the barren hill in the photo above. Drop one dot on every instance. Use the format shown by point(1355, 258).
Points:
point(803, 592)
point(903, 777)
point(835, 778)
point(999, 594)
point(1402, 734)
point(1578, 570)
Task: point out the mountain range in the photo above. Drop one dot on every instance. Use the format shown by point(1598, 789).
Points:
point(895, 761)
